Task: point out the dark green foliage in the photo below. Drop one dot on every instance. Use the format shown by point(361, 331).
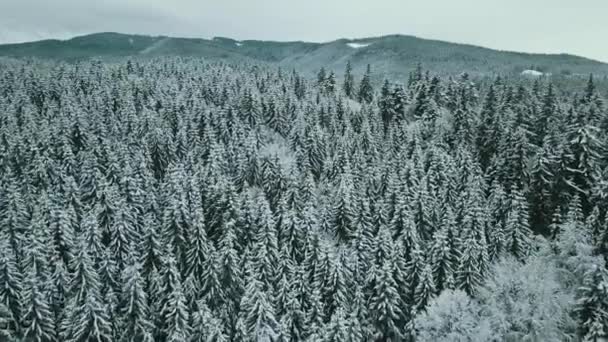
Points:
point(366, 91)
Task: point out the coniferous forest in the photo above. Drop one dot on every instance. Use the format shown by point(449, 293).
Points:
point(180, 200)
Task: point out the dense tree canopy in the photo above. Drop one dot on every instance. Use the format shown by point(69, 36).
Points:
point(175, 200)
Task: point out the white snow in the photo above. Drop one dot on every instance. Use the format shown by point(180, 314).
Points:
point(239, 44)
point(534, 73)
point(357, 45)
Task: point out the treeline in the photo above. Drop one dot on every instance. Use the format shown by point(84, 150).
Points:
point(176, 200)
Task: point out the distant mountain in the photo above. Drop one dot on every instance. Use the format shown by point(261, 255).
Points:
point(392, 56)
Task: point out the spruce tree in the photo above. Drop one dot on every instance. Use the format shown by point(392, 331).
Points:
point(517, 227)
point(366, 92)
point(11, 284)
point(257, 313)
point(386, 306)
point(87, 315)
point(349, 81)
point(174, 313)
point(592, 305)
point(136, 325)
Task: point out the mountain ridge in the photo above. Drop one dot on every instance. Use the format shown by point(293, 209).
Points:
point(393, 55)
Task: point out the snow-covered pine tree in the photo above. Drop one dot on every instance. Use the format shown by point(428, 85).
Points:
point(592, 305)
point(518, 236)
point(366, 91)
point(348, 84)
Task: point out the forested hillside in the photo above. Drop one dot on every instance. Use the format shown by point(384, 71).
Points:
point(176, 200)
point(392, 56)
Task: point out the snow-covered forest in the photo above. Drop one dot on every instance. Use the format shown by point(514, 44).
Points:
point(176, 200)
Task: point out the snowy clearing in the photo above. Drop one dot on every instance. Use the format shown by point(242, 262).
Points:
point(358, 45)
point(532, 73)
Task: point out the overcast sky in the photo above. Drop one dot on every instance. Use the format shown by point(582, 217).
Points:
point(552, 26)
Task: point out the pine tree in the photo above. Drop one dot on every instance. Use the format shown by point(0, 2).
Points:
point(592, 305)
point(464, 121)
point(366, 92)
point(37, 318)
point(88, 318)
point(123, 231)
point(321, 77)
point(174, 313)
point(487, 140)
point(541, 187)
point(176, 216)
point(544, 120)
point(207, 327)
point(199, 247)
point(265, 250)
point(11, 283)
point(386, 306)
point(136, 325)
point(517, 228)
point(257, 313)
point(293, 321)
point(425, 290)
point(468, 274)
point(13, 213)
point(62, 222)
point(442, 256)
point(343, 210)
point(349, 81)
point(335, 288)
point(337, 329)
point(585, 148)
point(6, 321)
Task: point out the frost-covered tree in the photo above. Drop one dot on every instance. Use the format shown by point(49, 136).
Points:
point(592, 305)
point(190, 200)
point(365, 87)
point(136, 325)
point(453, 316)
point(349, 81)
point(174, 313)
point(87, 316)
point(257, 313)
point(518, 235)
point(386, 305)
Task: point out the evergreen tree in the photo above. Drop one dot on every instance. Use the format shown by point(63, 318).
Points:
point(468, 274)
point(349, 81)
point(517, 228)
point(366, 92)
point(206, 327)
point(11, 284)
point(343, 210)
point(37, 317)
point(425, 290)
point(487, 140)
point(386, 306)
point(6, 320)
point(174, 313)
point(442, 256)
point(257, 313)
point(592, 305)
point(88, 318)
point(136, 325)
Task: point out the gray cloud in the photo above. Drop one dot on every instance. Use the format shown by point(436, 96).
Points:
point(521, 25)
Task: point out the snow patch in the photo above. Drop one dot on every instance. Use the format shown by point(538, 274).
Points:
point(533, 73)
point(239, 44)
point(131, 41)
point(358, 45)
